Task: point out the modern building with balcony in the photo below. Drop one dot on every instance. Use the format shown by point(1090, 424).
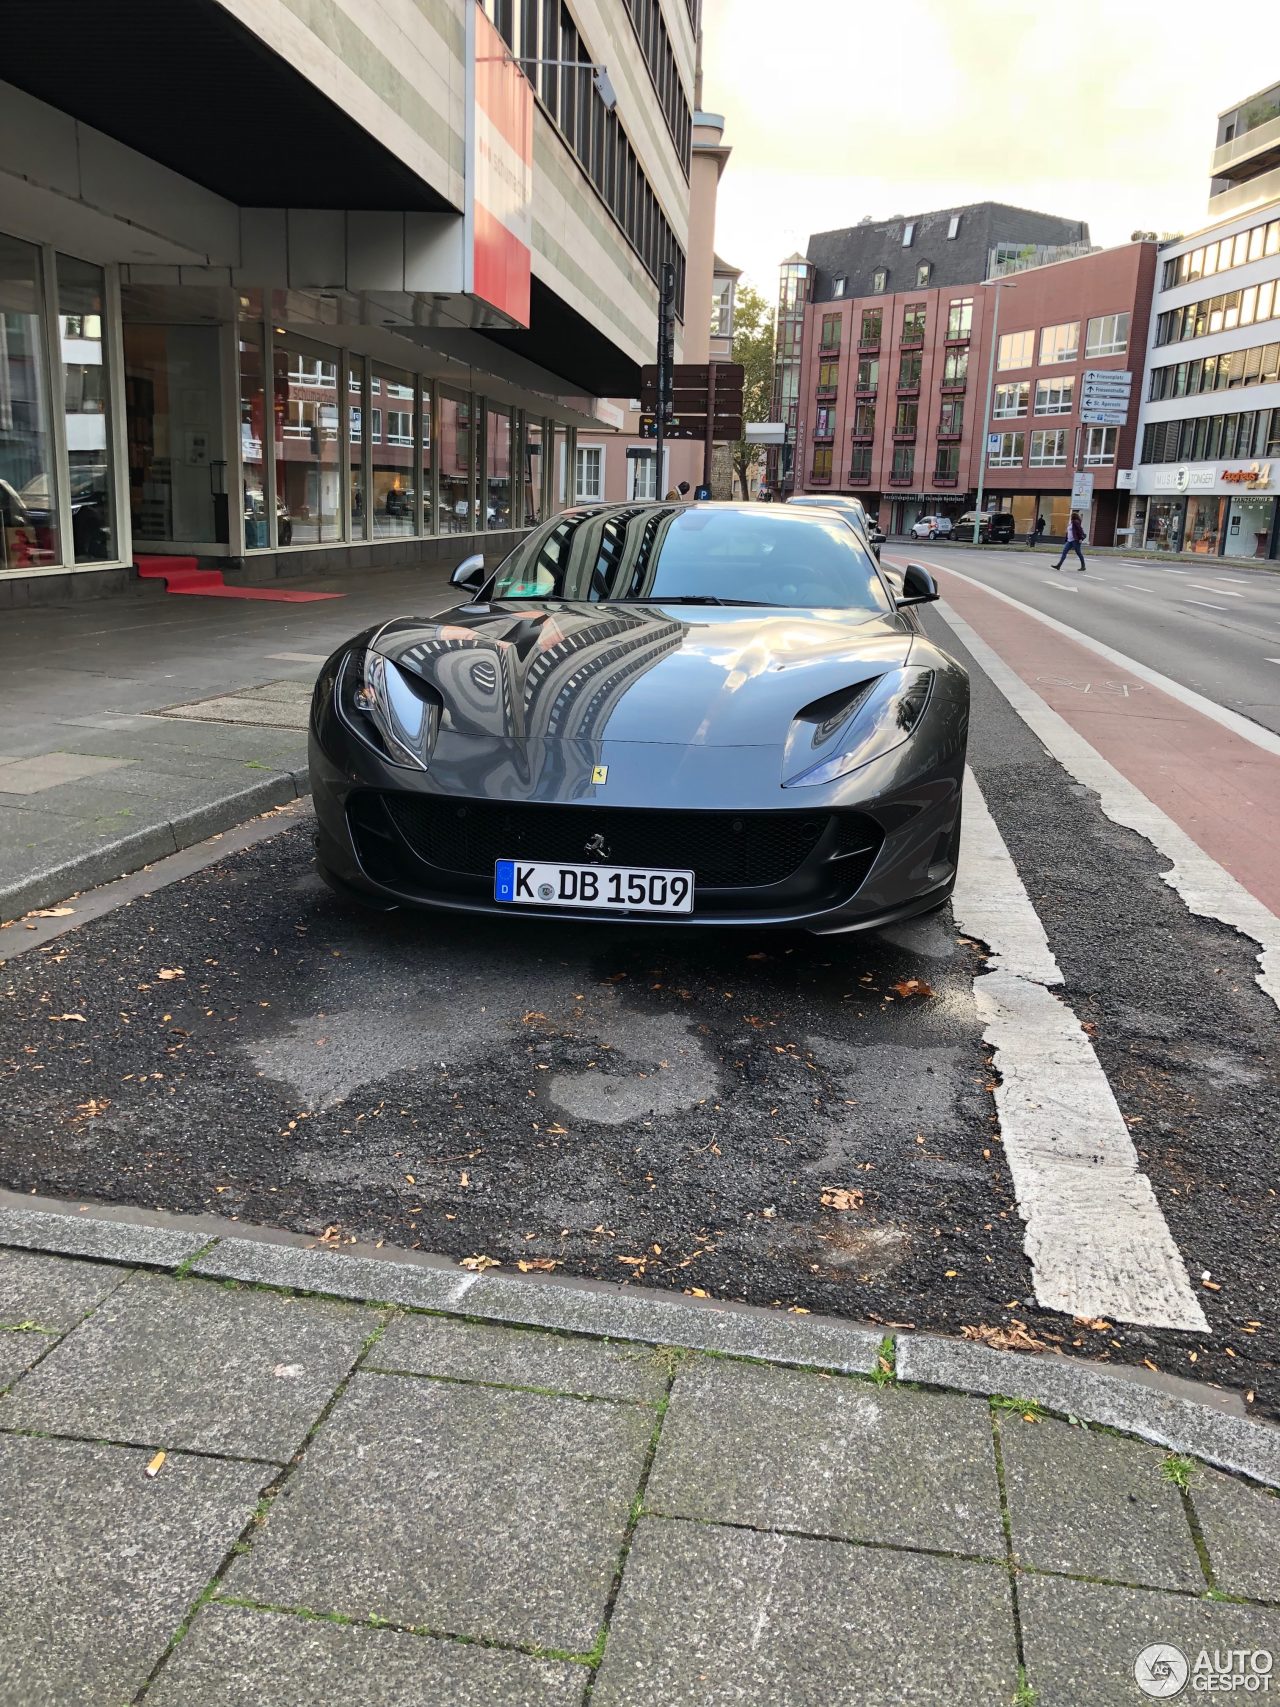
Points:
point(288, 289)
point(1245, 170)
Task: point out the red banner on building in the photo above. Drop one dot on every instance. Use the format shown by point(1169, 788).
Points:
point(499, 181)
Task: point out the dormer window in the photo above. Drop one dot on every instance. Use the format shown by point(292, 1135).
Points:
point(880, 281)
point(908, 234)
point(953, 226)
point(840, 285)
point(922, 273)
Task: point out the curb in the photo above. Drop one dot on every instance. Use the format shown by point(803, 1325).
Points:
point(1167, 1411)
point(144, 847)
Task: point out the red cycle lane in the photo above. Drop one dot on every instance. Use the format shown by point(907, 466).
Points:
point(1216, 785)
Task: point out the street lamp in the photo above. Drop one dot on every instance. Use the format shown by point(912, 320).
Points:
point(1000, 284)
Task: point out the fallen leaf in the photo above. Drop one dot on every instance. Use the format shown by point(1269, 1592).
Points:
point(1017, 1336)
point(153, 1464)
point(78, 1017)
point(464, 1178)
point(557, 1131)
point(478, 1263)
point(1211, 1285)
point(842, 1197)
point(52, 912)
point(1095, 1324)
point(698, 1291)
point(913, 987)
point(95, 1105)
point(171, 972)
point(544, 1265)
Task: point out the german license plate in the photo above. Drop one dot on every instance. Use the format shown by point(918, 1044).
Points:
point(603, 888)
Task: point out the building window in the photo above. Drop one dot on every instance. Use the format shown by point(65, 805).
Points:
point(1108, 335)
point(588, 474)
point(1010, 401)
point(1049, 448)
point(1220, 313)
point(953, 227)
point(880, 281)
point(829, 375)
point(29, 521)
point(864, 420)
point(871, 318)
point(909, 365)
point(825, 423)
point(908, 234)
point(830, 339)
point(1203, 263)
point(1016, 349)
point(913, 317)
point(904, 464)
point(722, 309)
point(644, 476)
point(840, 285)
point(392, 493)
point(868, 373)
point(81, 306)
point(1259, 365)
point(922, 274)
point(906, 420)
point(951, 416)
point(1099, 447)
point(498, 442)
point(1060, 343)
point(1055, 396)
point(960, 317)
point(822, 462)
point(947, 465)
point(955, 367)
point(456, 463)
point(860, 463)
point(1009, 452)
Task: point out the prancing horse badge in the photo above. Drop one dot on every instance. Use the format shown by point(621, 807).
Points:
point(600, 773)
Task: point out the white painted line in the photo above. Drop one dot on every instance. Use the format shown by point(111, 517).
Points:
point(1201, 882)
point(1267, 739)
point(1096, 1238)
point(1221, 591)
point(297, 657)
point(1204, 605)
point(1136, 588)
point(1272, 660)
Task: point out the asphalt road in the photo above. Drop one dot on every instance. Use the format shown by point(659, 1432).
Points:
point(1215, 629)
point(764, 1118)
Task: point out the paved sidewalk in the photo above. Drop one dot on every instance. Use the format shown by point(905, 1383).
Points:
point(133, 728)
point(237, 1470)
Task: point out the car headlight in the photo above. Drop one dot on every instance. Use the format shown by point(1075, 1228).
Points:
point(394, 713)
point(885, 717)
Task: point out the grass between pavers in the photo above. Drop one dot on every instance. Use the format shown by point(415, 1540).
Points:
point(1011, 1564)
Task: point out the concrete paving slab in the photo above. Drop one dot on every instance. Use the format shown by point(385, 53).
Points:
point(99, 1563)
point(1093, 1505)
point(1097, 1395)
point(779, 1449)
point(182, 1363)
point(99, 1236)
point(234, 1657)
point(707, 1617)
point(521, 1357)
point(462, 1509)
point(19, 1350)
point(820, 1343)
point(337, 1272)
point(1083, 1641)
point(1241, 1528)
point(53, 1292)
point(51, 770)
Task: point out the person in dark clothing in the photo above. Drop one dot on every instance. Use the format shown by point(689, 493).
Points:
point(1073, 541)
point(1034, 537)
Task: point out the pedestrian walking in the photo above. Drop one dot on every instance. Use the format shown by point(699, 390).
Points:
point(1073, 541)
point(1034, 537)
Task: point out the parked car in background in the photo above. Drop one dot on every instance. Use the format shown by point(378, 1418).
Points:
point(852, 509)
point(995, 527)
point(932, 527)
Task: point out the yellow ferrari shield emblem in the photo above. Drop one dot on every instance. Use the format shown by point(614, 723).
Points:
point(600, 773)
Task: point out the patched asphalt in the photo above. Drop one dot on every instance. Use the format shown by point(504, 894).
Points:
point(664, 1107)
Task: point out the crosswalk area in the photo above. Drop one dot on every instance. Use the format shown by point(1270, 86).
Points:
point(1047, 1115)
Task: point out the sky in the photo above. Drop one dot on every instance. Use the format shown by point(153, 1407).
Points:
point(1101, 110)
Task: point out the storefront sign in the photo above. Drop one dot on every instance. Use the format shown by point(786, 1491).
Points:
point(1183, 479)
point(1257, 475)
point(498, 209)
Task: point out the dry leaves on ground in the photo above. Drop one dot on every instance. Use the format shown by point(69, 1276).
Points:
point(542, 1265)
point(842, 1197)
point(94, 1106)
point(478, 1263)
point(169, 973)
point(1014, 1336)
point(913, 987)
point(79, 1018)
point(52, 912)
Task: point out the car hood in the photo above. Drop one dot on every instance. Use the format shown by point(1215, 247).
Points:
point(688, 675)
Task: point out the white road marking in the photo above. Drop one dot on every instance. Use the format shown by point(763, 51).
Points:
point(1096, 1238)
point(1204, 605)
point(1222, 592)
point(1273, 660)
point(1201, 882)
point(1267, 739)
point(1135, 586)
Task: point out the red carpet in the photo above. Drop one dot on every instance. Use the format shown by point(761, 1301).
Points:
point(182, 575)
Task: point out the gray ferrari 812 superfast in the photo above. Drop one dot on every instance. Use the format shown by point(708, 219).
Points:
point(708, 714)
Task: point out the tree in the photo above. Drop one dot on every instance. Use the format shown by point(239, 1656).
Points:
point(753, 347)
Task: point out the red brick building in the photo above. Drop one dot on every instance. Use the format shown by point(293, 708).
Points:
point(894, 387)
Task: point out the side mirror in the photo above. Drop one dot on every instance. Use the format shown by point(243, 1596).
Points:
point(918, 586)
point(469, 575)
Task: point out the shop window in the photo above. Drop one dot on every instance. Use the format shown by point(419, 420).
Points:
point(257, 535)
point(81, 294)
point(357, 477)
point(497, 468)
point(307, 446)
point(455, 460)
point(393, 461)
point(426, 451)
point(30, 535)
point(534, 437)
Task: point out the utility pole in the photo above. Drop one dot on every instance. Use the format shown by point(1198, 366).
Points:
point(666, 366)
point(997, 285)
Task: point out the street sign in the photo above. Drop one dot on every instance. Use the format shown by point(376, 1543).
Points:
point(1107, 375)
point(1099, 416)
point(1081, 491)
point(993, 444)
point(724, 430)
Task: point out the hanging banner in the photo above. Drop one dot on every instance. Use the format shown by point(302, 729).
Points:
point(498, 209)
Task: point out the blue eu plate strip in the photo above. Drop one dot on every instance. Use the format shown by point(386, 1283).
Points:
point(504, 880)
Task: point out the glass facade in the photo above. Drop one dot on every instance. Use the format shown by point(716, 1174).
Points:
point(497, 468)
point(82, 348)
point(30, 533)
point(393, 451)
point(455, 457)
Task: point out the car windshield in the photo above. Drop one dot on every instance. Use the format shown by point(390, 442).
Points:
point(695, 554)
